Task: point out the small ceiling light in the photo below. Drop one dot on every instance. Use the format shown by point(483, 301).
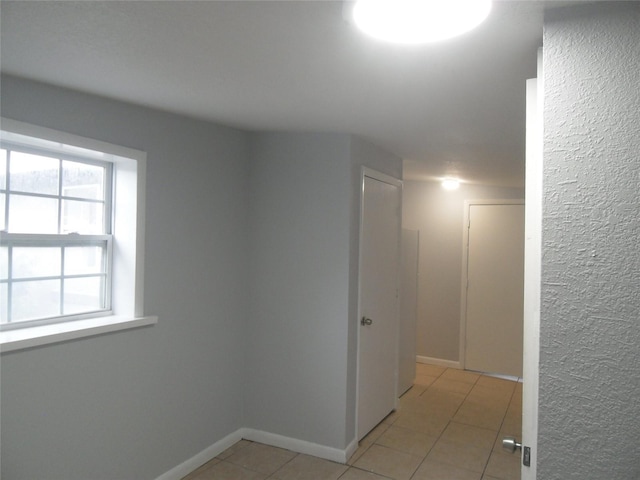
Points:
point(419, 21)
point(450, 183)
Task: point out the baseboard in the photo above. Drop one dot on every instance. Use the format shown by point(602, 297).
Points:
point(201, 458)
point(439, 361)
point(293, 444)
point(511, 378)
point(351, 449)
point(453, 364)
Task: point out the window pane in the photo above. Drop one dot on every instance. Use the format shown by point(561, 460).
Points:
point(82, 295)
point(82, 217)
point(3, 198)
point(32, 214)
point(83, 260)
point(4, 263)
point(31, 262)
point(33, 173)
point(4, 303)
point(3, 186)
point(82, 180)
point(32, 300)
point(3, 169)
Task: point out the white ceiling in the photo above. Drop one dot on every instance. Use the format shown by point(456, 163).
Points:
point(455, 107)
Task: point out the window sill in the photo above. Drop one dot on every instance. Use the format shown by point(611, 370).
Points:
point(13, 340)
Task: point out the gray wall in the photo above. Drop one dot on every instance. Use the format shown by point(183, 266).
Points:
point(134, 404)
point(438, 215)
point(304, 221)
point(590, 336)
point(299, 249)
point(251, 267)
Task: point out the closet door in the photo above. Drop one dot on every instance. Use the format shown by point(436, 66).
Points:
point(495, 288)
point(378, 321)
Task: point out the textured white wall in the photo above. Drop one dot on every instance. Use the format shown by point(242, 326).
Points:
point(590, 332)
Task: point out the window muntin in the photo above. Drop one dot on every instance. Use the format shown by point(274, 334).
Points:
point(56, 244)
point(51, 194)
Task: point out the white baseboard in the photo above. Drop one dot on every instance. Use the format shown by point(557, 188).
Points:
point(188, 466)
point(275, 440)
point(351, 449)
point(439, 361)
point(511, 378)
point(295, 445)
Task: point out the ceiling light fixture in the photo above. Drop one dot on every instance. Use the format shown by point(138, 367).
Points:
point(419, 21)
point(450, 183)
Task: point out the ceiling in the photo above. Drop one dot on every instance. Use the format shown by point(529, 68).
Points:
point(450, 108)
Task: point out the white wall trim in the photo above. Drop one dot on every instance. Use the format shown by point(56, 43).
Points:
point(275, 440)
point(296, 445)
point(199, 459)
point(383, 177)
point(441, 362)
point(23, 338)
point(351, 449)
point(511, 378)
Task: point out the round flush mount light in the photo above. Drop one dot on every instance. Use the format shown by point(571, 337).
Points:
point(419, 21)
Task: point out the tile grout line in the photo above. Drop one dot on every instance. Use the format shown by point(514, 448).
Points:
point(475, 383)
point(362, 470)
point(436, 438)
point(430, 448)
point(448, 422)
point(281, 466)
point(374, 442)
point(484, 470)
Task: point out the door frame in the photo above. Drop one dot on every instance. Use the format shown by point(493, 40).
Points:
point(382, 177)
point(408, 245)
point(465, 267)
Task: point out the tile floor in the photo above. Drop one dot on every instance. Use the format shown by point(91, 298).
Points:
point(449, 426)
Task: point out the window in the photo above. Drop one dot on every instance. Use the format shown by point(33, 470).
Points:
point(55, 249)
point(71, 221)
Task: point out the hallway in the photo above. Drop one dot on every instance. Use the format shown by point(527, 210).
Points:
point(449, 426)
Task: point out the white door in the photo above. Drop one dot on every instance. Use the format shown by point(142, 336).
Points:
point(378, 304)
point(495, 288)
point(408, 309)
point(532, 268)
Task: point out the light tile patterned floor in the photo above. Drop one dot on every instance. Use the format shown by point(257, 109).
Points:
point(449, 426)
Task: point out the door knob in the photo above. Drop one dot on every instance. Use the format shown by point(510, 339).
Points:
point(510, 444)
point(366, 321)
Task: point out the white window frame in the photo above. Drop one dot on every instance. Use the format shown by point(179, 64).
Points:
point(127, 269)
point(61, 240)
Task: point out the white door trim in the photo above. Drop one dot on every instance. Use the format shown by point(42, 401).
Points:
point(383, 177)
point(465, 268)
point(374, 174)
